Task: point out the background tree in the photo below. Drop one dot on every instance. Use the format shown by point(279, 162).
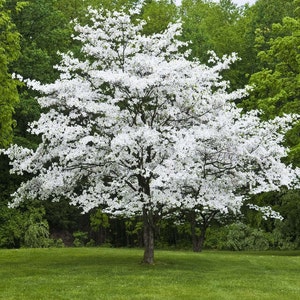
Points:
point(43, 30)
point(210, 26)
point(275, 92)
point(276, 85)
point(158, 15)
point(9, 52)
point(215, 26)
point(11, 221)
point(257, 19)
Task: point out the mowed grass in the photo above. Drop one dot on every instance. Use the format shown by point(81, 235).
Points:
point(103, 273)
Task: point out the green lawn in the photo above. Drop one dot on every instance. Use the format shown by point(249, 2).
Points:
point(102, 273)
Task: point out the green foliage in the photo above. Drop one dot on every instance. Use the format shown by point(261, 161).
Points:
point(276, 91)
point(9, 52)
point(210, 26)
point(216, 238)
point(44, 30)
point(11, 227)
point(20, 5)
point(289, 228)
point(277, 85)
point(258, 21)
point(26, 111)
point(242, 237)
point(134, 230)
point(56, 243)
point(98, 220)
point(11, 220)
point(218, 27)
point(62, 216)
point(276, 80)
point(91, 243)
point(37, 229)
point(100, 226)
point(254, 19)
point(23, 227)
point(285, 233)
point(80, 238)
point(168, 235)
point(77, 9)
point(265, 13)
point(158, 14)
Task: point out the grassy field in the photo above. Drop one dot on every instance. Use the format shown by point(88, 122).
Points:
point(102, 273)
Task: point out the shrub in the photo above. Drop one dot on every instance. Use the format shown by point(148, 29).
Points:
point(216, 238)
point(80, 238)
point(11, 229)
point(243, 237)
point(37, 230)
point(56, 243)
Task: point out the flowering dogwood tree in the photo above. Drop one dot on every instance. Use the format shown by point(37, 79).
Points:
point(135, 127)
point(219, 160)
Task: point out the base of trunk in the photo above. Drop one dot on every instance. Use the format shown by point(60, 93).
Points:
point(197, 245)
point(148, 258)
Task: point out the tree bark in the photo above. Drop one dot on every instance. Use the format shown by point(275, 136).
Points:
point(198, 240)
point(148, 238)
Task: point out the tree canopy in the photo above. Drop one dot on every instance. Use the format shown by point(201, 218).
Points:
point(135, 127)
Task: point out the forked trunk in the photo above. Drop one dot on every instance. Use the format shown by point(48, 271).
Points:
point(198, 240)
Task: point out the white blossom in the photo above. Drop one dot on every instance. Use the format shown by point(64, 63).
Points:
point(134, 125)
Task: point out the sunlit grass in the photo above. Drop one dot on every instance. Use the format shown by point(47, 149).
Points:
point(102, 273)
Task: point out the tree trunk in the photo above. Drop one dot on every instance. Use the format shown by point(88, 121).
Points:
point(148, 238)
point(198, 240)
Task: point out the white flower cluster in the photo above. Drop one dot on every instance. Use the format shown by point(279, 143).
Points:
point(267, 211)
point(134, 125)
